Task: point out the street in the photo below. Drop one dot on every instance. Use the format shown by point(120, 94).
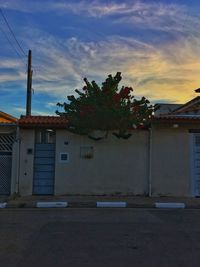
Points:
point(99, 237)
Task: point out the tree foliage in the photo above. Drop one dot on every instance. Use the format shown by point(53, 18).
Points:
point(106, 108)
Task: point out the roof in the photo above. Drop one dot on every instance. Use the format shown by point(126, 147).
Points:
point(168, 113)
point(7, 118)
point(177, 118)
point(165, 108)
point(186, 113)
point(189, 106)
point(42, 122)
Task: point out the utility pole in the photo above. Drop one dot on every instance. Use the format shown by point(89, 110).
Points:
point(29, 84)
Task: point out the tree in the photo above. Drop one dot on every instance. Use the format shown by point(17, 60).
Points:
point(106, 108)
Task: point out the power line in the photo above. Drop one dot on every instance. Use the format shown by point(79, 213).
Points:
point(11, 31)
point(11, 44)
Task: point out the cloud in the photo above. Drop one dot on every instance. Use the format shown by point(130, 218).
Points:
point(169, 70)
point(159, 16)
point(51, 104)
point(26, 6)
point(9, 78)
point(10, 63)
point(154, 15)
point(88, 8)
point(11, 70)
point(38, 112)
point(154, 71)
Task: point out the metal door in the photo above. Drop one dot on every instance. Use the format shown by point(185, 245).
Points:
point(44, 167)
point(196, 164)
point(6, 144)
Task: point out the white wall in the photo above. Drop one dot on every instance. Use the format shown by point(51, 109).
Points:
point(118, 165)
point(171, 160)
point(27, 138)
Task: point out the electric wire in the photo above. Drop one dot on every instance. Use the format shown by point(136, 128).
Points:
point(12, 33)
point(11, 44)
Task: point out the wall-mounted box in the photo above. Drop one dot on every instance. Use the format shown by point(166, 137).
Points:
point(86, 152)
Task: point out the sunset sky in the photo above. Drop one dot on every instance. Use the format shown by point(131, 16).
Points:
point(155, 44)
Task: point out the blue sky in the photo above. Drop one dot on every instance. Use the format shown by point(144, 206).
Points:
point(155, 44)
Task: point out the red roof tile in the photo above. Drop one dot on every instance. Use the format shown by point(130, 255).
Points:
point(42, 121)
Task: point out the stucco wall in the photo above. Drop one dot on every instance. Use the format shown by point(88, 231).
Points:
point(118, 166)
point(171, 160)
point(7, 129)
point(26, 162)
point(14, 170)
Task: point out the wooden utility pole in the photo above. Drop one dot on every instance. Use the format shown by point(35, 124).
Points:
point(29, 84)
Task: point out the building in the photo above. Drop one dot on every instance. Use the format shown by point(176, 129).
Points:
point(175, 151)
point(40, 156)
point(160, 161)
point(8, 153)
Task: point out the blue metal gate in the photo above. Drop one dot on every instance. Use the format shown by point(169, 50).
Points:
point(44, 169)
point(196, 164)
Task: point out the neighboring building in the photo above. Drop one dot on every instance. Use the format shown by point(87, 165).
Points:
point(175, 151)
point(163, 160)
point(8, 156)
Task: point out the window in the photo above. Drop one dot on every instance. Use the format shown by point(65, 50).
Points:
point(45, 136)
point(64, 157)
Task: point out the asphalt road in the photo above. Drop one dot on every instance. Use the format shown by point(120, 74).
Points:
point(99, 237)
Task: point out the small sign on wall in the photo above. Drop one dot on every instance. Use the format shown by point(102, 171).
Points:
point(64, 157)
point(86, 152)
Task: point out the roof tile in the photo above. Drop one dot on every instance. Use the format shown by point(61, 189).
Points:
point(42, 121)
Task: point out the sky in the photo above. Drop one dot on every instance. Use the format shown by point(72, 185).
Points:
point(155, 44)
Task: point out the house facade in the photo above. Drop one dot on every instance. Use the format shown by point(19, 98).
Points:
point(175, 154)
point(8, 153)
point(55, 161)
point(44, 158)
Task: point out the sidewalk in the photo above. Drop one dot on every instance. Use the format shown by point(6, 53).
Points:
point(90, 201)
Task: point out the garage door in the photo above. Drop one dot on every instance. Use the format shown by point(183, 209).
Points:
point(196, 164)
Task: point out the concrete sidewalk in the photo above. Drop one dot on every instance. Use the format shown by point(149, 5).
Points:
point(77, 201)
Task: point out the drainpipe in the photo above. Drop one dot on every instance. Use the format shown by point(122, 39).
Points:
point(150, 163)
point(18, 158)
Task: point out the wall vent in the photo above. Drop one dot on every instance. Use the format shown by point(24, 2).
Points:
point(64, 157)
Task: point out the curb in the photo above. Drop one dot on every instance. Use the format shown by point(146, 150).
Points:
point(111, 204)
point(3, 205)
point(97, 204)
point(51, 204)
point(170, 205)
